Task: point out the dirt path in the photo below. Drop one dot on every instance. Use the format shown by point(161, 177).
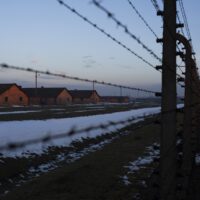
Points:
point(95, 176)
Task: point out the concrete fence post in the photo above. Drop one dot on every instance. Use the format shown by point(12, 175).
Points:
point(168, 104)
point(188, 107)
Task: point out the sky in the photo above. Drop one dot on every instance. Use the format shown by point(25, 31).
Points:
point(46, 36)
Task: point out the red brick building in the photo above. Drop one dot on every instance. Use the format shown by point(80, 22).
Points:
point(85, 96)
point(12, 94)
point(48, 96)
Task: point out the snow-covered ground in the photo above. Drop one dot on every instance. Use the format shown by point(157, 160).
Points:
point(90, 109)
point(16, 131)
point(19, 112)
point(29, 111)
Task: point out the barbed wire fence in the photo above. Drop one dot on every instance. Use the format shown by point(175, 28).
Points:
point(64, 76)
point(190, 111)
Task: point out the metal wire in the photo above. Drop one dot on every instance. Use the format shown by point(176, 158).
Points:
point(74, 78)
point(184, 18)
point(142, 18)
point(110, 15)
point(108, 35)
point(16, 145)
point(179, 21)
point(104, 126)
point(105, 33)
point(155, 4)
point(182, 8)
point(126, 30)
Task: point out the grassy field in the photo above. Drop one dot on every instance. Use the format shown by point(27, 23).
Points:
point(97, 175)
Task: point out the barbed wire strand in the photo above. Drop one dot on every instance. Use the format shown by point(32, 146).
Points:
point(16, 145)
point(184, 16)
point(180, 22)
point(155, 4)
point(145, 22)
point(142, 18)
point(105, 33)
point(126, 30)
point(157, 8)
point(73, 131)
point(108, 35)
point(74, 78)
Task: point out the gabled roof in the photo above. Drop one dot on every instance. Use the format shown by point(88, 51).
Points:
point(82, 93)
point(43, 92)
point(4, 87)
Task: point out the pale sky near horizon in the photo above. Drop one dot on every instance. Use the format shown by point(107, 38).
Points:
point(44, 35)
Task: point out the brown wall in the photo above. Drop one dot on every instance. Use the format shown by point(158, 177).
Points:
point(48, 101)
point(77, 100)
point(13, 96)
point(94, 98)
point(63, 98)
point(42, 101)
point(34, 100)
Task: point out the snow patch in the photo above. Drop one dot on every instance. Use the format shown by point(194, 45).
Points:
point(151, 153)
point(63, 157)
point(69, 158)
point(19, 131)
point(125, 180)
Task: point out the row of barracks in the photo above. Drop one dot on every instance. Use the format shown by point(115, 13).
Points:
point(13, 94)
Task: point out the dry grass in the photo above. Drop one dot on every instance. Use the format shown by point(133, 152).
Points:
point(95, 176)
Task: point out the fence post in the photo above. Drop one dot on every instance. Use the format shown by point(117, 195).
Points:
point(198, 116)
point(197, 120)
point(195, 131)
point(168, 104)
point(187, 159)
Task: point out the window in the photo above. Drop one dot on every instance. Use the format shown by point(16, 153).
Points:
point(20, 99)
point(6, 99)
